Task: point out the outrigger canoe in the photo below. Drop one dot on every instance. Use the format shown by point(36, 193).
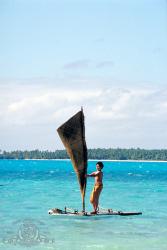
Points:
point(72, 134)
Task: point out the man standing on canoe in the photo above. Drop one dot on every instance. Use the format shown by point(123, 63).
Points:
point(98, 175)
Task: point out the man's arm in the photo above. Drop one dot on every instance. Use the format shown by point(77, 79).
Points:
point(92, 174)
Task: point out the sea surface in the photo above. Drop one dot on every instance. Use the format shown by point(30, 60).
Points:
point(29, 188)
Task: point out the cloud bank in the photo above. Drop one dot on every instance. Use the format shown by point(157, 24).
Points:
point(115, 116)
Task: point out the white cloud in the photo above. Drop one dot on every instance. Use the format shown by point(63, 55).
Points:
point(40, 107)
point(115, 116)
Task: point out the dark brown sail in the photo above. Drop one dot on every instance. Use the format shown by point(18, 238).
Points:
point(72, 134)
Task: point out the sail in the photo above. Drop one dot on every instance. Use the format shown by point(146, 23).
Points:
point(72, 134)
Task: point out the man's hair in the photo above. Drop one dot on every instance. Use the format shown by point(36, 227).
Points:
point(100, 164)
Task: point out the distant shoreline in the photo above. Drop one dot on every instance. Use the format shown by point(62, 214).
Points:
point(111, 154)
point(88, 160)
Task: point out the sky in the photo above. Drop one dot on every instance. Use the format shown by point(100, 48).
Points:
point(110, 57)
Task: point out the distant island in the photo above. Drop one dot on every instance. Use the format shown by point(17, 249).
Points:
point(96, 153)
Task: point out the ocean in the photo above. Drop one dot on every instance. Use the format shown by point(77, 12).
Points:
point(29, 188)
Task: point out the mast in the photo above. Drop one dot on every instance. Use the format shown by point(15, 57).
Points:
point(85, 157)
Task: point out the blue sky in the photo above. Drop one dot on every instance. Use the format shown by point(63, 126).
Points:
point(108, 56)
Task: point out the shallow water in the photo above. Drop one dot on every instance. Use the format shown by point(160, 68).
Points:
point(28, 189)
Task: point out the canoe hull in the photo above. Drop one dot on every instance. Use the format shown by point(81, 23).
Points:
point(60, 212)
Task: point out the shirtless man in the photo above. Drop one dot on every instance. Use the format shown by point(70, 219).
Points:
point(98, 175)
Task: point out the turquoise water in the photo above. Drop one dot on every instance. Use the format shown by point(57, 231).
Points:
point(28, 189)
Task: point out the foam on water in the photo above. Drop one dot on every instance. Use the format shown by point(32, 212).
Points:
point(29, 188)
